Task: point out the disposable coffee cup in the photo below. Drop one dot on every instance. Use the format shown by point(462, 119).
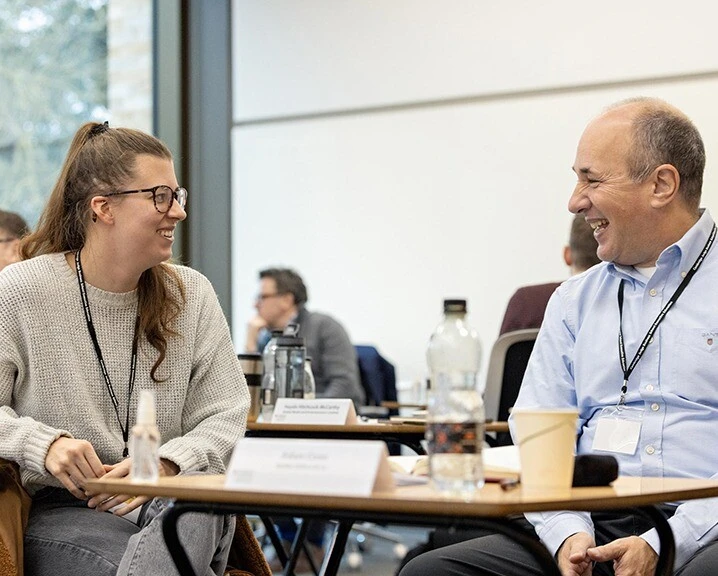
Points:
point(547, 441)
point(252, 367)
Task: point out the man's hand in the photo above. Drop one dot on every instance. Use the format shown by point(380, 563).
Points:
point(572, 556)
point(253, 327)
point(72, 462)
point(632, 556)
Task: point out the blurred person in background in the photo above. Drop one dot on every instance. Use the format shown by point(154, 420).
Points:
point(528, 304)
point(281, 300)
point(12, 229)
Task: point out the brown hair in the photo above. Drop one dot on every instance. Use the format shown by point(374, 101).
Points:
point(662, 134)
point(100, 160)
point(13, 224)
point(288, 282)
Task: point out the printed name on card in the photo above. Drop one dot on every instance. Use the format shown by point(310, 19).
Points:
point(328, 467)
point(328, 411)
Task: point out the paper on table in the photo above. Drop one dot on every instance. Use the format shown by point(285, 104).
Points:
point(402, 469)
point(404, 464)
point(499, 463)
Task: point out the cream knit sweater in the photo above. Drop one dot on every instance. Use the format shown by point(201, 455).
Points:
point(51, 384)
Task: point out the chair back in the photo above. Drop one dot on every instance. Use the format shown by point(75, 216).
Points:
point(14, 512)
point(509, 357)
point(378, 377)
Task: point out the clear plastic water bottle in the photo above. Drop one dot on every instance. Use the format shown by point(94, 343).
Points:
point(145, 441)
point(310, 386)
point(269, 384)
point(455, 421)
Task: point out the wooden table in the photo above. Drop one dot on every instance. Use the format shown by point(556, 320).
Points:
point(417, 505)
point(409, 435)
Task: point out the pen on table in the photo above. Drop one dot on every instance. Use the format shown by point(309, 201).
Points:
point(509, 483)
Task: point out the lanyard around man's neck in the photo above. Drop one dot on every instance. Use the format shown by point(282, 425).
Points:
point(627, 370)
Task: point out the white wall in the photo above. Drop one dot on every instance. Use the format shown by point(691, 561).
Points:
point(385, 211)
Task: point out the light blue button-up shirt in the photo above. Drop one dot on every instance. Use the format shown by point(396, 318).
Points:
point(575, 363)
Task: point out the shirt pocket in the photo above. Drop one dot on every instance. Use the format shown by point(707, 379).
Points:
point(695, 365)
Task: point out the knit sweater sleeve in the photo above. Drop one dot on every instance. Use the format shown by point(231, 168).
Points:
point(22, 438)
point(214, 415)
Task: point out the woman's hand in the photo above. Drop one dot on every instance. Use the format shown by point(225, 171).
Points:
point(73, 462)
point(124, 502)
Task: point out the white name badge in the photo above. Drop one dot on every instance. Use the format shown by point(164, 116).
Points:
point(326, 467)
point(336, 411)
point(618, 430)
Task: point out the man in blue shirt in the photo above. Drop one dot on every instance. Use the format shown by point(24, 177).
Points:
point(640, 173)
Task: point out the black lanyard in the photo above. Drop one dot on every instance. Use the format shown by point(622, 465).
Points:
point(133, 362)
point(627, 370)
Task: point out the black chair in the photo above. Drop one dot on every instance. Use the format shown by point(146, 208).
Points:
point(378, 378)
point(509, 357)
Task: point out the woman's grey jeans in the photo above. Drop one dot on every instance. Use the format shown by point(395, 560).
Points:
point(66, 538)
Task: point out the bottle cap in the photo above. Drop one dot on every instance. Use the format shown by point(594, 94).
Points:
point(146, 408)
point(454, 305)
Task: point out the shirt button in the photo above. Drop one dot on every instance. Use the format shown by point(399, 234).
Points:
point(649, 387)
point(651, 340)
point(650, 449)
point(684, 274)
point(652, 292)
point(655, 407)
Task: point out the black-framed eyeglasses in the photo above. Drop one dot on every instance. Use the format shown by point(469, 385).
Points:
point(263, 297)
point(162, 196)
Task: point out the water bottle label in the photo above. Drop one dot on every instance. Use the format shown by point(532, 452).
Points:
point(454, 437)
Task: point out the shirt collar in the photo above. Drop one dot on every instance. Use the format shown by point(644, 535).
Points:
point(685, 251)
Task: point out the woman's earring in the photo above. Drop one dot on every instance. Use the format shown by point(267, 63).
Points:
point(94, 217)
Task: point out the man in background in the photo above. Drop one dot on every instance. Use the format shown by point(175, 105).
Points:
point(12, 228)
point(281, 300)
point(528, 304)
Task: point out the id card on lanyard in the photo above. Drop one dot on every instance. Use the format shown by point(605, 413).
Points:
point(618, 429)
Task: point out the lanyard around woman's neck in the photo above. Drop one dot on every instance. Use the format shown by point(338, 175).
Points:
point(627, 370)
point(98, 352)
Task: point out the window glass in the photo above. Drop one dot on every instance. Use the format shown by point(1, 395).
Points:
point(62, 63)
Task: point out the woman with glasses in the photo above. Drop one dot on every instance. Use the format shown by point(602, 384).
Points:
point(93, 315)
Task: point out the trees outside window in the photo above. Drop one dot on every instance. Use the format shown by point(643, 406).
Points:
point(54, 61)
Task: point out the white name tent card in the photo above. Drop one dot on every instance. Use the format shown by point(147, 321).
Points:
point(328, 411)
point(327, 467)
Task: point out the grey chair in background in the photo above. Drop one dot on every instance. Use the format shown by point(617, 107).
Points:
point(509, 357)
